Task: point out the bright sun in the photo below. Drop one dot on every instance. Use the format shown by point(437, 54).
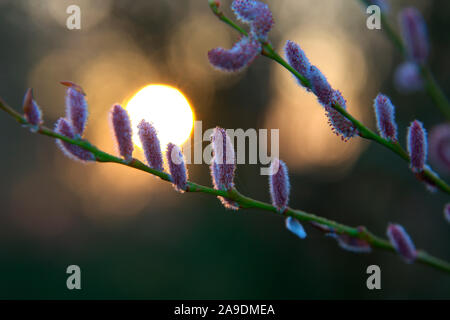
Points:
point(166, 108)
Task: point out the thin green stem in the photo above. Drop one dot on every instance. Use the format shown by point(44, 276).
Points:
point(433, 89)
point(364, 132)
point(243, 201)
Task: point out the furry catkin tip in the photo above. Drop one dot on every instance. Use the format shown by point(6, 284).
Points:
point(297, 59)
point(122, 130)
point(235, 59)
point(402, 242)
point(31, 110)
point(255, 13)
point(385, 115)
point(223, 164)
point(340, 125)
point(76, 109)
point(177, 167)
point(279, 184)
point(417, 146)
point(74, 152)
point(414, 33)
point(150, 144)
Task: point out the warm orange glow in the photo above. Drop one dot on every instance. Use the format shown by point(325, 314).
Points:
point(166, 108)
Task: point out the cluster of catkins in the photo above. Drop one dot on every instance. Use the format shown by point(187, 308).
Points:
point(415, 38)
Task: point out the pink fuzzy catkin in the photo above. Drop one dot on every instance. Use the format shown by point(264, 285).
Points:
point(150, 144)
point(384, 112)
point(402, 242)
point(31, 110)
point(121, 124)
point(74, 152)
point(279, 184)
point(177, 167)
point(76, 109)
point(417, 146)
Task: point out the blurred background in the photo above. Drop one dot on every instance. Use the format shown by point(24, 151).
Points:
point(132, 235)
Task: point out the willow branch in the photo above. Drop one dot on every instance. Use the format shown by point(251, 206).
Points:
point(432, 88)
point(364, 132)
point(243, 201)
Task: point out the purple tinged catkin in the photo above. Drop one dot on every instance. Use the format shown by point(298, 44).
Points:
point(447, 212)
point(76, 109)
point(295, 227)
point(417, 146)
point(439, 147)
point(177, 167)
point(385, 115)
point(256, 14)
point(320, 86)
point(74, 152)
point(297, 59)
point(121, 124)
point(224, 161)
point(279, 184)
point(414, 33)
point(340, 125)
point(352, 244)
point(31, 110)
point(407, 78)
point(122, 129)
point(150, 144)
point(402, 242)
point(241, 55)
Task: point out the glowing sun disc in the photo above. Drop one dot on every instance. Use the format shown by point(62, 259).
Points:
point(166, 108)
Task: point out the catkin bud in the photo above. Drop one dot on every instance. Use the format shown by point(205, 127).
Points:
point(402, 242)
point(150, 144)
point(340, 125)
point(74, 152)
point(224, 159)
point(417, 146)
point(31, 110)
point(440, 147)
point(218, 185)
point(255, 13)
point(241, 55)
point(320, 86)
point(279, 184)
point(177, 167)
point(122, 130)
point(414, 33)
point(295, 227)
point(384, 112)
point(76, 109)
point(352, 244)
point(407, 78)
point(297, 59)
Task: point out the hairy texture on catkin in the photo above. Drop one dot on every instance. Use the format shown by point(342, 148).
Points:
point(76, 110)
point(279, 184)
point(74, 152)
point(31, 110)
point(340, 125)
point(122, 130)
point(414, 33)
point(177, 167)
point(150, 144)
point(417, 146)
point(297, 59)
point(241, 55)
point(256, 14)
point(402, 242)
point(385, 114)
point(224, 159)
point(320, 86)
point(215, 177)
